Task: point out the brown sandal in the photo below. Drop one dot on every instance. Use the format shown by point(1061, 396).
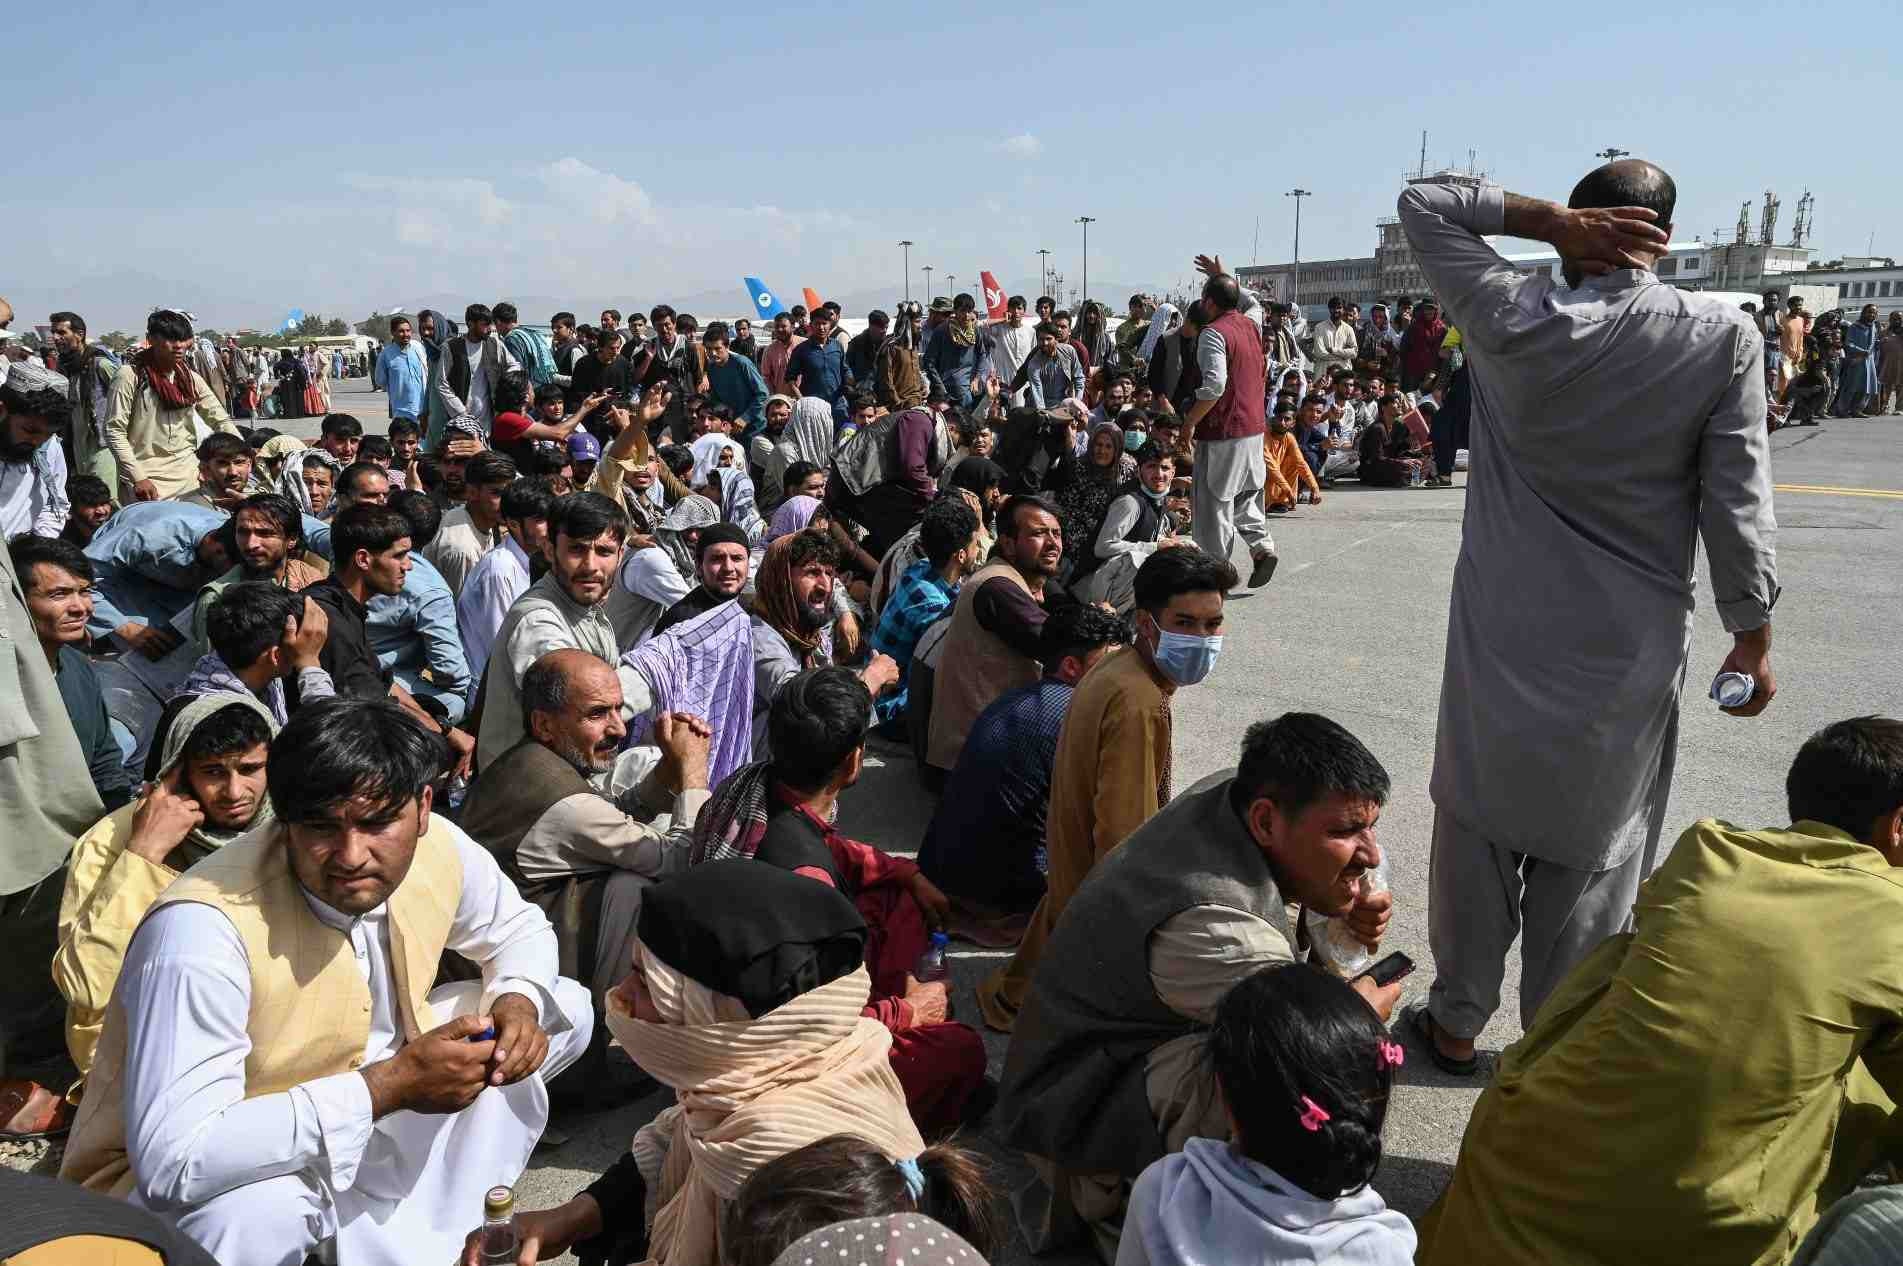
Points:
point(31, 1111)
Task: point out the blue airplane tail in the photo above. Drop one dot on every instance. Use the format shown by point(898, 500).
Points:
point(766, 304)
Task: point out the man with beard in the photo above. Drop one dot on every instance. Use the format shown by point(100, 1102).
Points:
point(224, 472)
point(149, 420)
point(667, 359)
point(775, 357)
point(471, 367)
point(744, 344)
point(722, 557)
point(402, 371)
point(500, 576)
point(793, 623)
point(90, 369)
point(34, 407)
point(474, 528)
point(583, 858)
point(760, 449)
point(602, 370)
point(564, 610)
point(996, 625)
point(265, 534)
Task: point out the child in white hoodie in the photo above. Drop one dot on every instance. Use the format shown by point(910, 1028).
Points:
point(1305, 1069)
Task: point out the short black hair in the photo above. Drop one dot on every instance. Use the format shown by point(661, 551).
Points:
point(549, 393)
point(367, 527)
point(817, 721)
point(1152, 452)
point(658, 311)
point(1046, 329)
point(1079, 628)
point(976, 474)
point(489, 468)
point(1848, 775)
point(583, 516)
point(678, 458)
point(222, 444)
point(420, 509)
point(236, 727)
point(375, 447)
point(73, 319)
point(248, 619)
point(54, 551)
point(1300, 757)
point(611, 312)
point(1628, 183)
point(1293, 1032)
point(527, 499)
point(342, 425)
point(88, 490)
point(561, 318)
point(347, 477)
point(339, 749)
point(274, 506)
point(811, 545)
point(511, 392)
point(1014, 506)
point(477, 312)
point(798, 473)
point(946, 528)
point(505, 311)
point(168, 324)
point(1185, 569)
point(398, 319)
point(404, 426)
point(50, 403)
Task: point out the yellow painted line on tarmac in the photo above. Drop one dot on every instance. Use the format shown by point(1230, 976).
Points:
point(1826, 490)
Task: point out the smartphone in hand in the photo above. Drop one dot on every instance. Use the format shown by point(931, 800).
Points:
point(1390, 969)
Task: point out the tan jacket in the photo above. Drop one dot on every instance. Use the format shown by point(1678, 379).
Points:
point(310, 1007)
point(151, 442)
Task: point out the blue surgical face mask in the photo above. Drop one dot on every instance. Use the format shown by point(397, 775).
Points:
point(1186, 658)
point(1133, 440)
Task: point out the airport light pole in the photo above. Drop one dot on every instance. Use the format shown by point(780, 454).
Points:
point(907, 245)
point(1295, 276)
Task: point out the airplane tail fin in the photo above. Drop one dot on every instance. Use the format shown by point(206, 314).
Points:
point(812, 298)
point(766, 305)
point(994, 296)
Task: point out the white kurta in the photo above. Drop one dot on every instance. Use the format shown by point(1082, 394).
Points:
point(497, 580)
point(264, 1181)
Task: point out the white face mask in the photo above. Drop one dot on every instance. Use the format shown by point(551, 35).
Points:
point(1185, 658)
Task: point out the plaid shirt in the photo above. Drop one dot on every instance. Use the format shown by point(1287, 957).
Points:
point(918, 601)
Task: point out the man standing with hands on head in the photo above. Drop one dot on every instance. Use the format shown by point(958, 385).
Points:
point(1619, 419)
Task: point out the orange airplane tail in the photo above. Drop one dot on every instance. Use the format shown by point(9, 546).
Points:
point(812, 297)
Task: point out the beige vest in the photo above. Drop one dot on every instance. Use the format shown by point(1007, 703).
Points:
point(977, 668)
point(310, 1007)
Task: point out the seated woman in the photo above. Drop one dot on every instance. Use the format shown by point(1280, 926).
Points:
point(842, 1178)
point(1723, 1072)
point(782, 812)
point(1083, 488)
point(745, 998)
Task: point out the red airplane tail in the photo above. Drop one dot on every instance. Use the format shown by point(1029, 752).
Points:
point(994, 296)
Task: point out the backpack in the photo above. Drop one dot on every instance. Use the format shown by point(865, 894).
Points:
point(869, 455)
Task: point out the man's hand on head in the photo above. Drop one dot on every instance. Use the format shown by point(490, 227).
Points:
point(1605, 239)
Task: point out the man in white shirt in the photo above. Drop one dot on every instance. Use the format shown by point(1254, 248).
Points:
point(501, 575)
point(1012, 341)
point(471, 366)
point(275, 1073)
point(1335, 343)
point(34, 406)
point(473, 528)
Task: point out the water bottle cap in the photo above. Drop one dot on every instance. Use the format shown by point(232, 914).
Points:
point(941, 939)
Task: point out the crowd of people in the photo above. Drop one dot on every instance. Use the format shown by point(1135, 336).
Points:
point(1818, 365)
point(359, 791)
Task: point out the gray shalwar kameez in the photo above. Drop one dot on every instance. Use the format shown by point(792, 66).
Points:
point(1613, 424)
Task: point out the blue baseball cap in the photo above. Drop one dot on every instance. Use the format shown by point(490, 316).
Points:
point(583, 447)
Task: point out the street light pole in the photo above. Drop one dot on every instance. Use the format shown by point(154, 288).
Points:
point(1295, 277)
point(1612, 155)
point(951, 283)
point(1043, 272)
point(1086, 221)
point(927, 270)
point(908, 269)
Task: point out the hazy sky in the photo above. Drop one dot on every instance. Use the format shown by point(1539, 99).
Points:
point(332, 159)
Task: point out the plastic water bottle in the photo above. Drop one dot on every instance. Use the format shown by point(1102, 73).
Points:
point(931, 964)
point(1332, 938)
point(499, 1241)
point(1733, 690)
point(1414, 479)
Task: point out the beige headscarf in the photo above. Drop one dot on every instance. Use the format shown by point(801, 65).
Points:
point(749, 1092)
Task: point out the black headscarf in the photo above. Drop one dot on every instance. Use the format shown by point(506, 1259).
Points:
point(756, 933)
